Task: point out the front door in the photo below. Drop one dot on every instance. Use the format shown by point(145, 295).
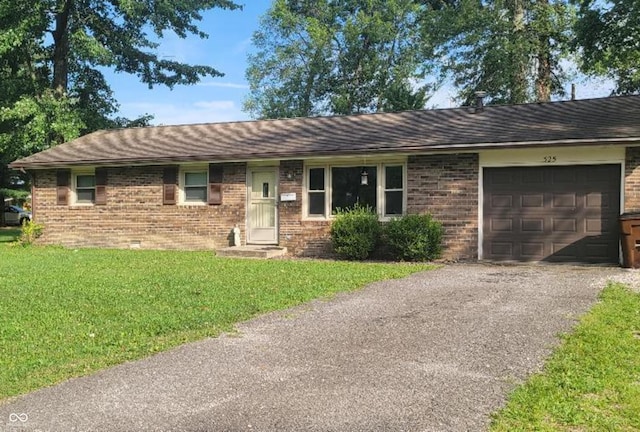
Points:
point(263, 211)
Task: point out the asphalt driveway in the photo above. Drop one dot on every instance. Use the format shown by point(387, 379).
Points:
point(437, 351)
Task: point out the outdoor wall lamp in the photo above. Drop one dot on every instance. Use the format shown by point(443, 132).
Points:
point(364, 177)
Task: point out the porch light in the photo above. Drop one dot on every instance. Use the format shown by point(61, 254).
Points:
point(364, 177)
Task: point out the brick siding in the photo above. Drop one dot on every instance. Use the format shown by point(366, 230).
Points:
point(134, 216)
point(302, 238)
point(446, 186)
point(632, 180)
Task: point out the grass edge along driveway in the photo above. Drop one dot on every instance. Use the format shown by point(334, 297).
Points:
point(592, 381)
point(66, 313)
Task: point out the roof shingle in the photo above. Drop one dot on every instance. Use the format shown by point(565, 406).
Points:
point(614, 119)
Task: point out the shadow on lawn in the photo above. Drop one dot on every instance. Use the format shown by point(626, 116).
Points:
point(9, 234)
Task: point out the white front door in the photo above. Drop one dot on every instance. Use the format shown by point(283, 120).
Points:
point(263, 210)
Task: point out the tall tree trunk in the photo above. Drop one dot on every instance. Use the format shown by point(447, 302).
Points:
point(519, 70)
point(2, 222)
point(61, 48)
point(543, 76)
point(2, 184)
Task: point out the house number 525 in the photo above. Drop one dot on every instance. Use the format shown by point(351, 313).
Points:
point(549, 159)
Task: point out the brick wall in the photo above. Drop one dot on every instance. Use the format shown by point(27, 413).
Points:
point(446, 186)
point(443, 185)
point(302, 238)
point(135, 216)
point(632, 180)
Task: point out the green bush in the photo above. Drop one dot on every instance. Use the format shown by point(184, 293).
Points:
point(414, 238)
point(355, 232)
point(29, 233)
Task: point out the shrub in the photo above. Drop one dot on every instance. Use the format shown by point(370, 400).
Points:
point(29, 233)
point(355, 232)
point(414, 238)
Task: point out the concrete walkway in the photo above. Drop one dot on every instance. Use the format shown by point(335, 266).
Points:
point(437, 351)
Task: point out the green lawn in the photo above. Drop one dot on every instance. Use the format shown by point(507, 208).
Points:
point(592, 382)
point(8, 234)
point(66, 313)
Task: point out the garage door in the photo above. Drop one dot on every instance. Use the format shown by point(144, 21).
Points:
point(559, 213)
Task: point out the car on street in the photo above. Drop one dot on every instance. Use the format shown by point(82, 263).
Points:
point(14, 215)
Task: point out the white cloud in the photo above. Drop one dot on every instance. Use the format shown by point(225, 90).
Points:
point(223, 85)
point(215, 105)
point(197, 112)
point(242, 46)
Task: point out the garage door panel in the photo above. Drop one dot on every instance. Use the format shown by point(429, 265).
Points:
point(564, 200)
point(594, 226)
point(502, 225)
point(564, 225)
point(532, 177)
point(502, 178)
point(598, 175)
point(501, 201)
point(596, 200)
point(532, 225)
point(562, 177)
point(559, 213)
point(532, 250)
point(532, 200)
point(502, 249)
point(562, 250)
point(597, 251)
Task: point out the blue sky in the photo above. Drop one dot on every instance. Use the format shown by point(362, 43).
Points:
point(214, 99)
point(220, 99)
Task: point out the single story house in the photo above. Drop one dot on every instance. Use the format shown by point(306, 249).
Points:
point(530, 182)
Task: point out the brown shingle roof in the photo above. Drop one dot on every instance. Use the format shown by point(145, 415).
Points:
point(615, 119)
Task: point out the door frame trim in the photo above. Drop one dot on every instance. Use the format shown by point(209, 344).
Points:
point(249, 180)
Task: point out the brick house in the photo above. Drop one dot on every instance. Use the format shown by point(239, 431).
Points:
point(542, 181)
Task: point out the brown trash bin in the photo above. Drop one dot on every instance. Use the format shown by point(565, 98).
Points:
point(630, 239)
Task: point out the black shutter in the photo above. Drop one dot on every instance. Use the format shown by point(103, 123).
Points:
point(169, 185)
point(215, 184)
point(63, 180)
point(101, 186)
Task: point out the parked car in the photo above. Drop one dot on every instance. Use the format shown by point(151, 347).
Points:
point(14, 215)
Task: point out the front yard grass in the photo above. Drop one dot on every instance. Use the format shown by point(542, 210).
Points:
point(9, 234)
point(592, 381)
point(66, 313)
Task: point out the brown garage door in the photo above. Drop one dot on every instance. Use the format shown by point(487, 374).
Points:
point(559, 213)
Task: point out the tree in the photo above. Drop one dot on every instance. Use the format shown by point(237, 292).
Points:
point(512, 49)
point(52, 53)
point(337, 57)
point(607, 34)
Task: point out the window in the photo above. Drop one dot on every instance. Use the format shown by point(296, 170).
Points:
point(195, 187)
point(348, 187)
point(393, 190)
point(378, 186)
point(316, 192)
point(85, 188)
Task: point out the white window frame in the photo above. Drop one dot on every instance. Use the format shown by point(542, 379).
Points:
point(183, 186)
point(328, 189)
point(74, 187)
point(403, 189)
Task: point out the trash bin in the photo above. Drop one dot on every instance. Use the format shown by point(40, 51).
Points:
point(630, 239)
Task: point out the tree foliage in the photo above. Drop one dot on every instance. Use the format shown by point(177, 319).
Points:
point(337, 57)
point(608, 34)
point(53, 54)
point(511, 49)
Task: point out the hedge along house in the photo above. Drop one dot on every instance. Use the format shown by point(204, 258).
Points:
point(527, 182)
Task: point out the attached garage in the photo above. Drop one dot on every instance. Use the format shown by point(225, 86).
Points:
point(551, 213)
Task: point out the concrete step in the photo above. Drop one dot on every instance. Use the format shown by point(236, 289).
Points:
point(252, 251)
